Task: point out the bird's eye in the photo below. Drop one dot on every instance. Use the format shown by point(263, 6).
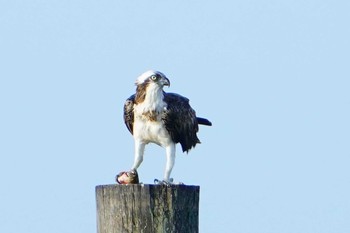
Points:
point(153, 77)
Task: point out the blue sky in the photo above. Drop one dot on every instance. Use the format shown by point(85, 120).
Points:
point(272, 76)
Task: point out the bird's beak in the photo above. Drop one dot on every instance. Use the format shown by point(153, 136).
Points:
point(166, 82)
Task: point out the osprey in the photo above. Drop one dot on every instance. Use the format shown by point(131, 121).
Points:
point(154, 116)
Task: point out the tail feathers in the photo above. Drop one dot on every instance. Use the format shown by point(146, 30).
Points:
point(203, 121)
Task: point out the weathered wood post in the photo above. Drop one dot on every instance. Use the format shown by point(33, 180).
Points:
point(147, 208)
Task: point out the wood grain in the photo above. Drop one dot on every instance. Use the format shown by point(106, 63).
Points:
point(147, 208)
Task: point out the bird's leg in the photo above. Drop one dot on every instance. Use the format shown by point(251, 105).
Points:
point(139, 150)
point(170, 161)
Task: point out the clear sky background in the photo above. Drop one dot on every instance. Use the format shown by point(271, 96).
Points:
point(273, 77)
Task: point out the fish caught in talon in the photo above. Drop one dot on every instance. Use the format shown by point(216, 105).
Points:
point(130, 177)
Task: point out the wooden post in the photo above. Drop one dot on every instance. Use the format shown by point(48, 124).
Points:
point(147, 208)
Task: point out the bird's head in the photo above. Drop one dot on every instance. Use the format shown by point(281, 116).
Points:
point(150, 84)
point(153, 78)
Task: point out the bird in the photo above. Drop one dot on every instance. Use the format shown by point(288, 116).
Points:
point(155, 116)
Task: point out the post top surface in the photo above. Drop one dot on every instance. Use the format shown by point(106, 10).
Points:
point(173, 186)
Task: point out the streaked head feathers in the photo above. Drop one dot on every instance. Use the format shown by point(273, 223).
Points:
point(148, 74)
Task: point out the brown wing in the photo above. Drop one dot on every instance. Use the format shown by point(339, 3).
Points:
point(129, 113)
point(180, 120)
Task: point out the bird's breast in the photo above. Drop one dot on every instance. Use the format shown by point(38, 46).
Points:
point(148, 123)
point(151, 131)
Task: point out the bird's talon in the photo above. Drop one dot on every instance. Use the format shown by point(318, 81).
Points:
point(163, 182)
point(130, 177)
point(156, 181)
point(166, 183)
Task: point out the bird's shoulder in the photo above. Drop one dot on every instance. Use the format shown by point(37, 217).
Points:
point(174, 99)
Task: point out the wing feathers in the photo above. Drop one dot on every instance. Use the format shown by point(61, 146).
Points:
point(129, 113)
point(180, 120)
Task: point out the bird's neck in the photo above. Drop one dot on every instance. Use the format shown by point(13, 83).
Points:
point(150, 99)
